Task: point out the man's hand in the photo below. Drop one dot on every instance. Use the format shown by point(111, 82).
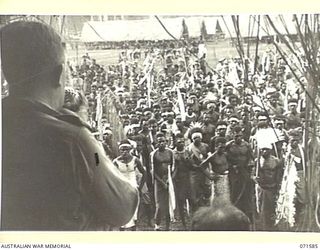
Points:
point(213, 177)
point(235, 168)
point(256, 179)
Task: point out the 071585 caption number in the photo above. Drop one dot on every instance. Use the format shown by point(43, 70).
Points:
point(309, 246)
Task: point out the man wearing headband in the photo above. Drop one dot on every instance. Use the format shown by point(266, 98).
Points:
point(221, 130)
point(212, 109)
point(168, 127)
point(261, 122)
point(268, 178)
point(282, 134)
point(191, 116)
point(198, 152)
point(233, 122)
point(256, 111)
point(239, 155)
point(279, 123)
point(273, 107)
point(162, 161)
point(293, 119)
point(227, 111)
point(129, 165)
point(108, 143)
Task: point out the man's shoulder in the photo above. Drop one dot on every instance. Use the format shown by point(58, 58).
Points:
point(230, 143)
point(66, 125)
point(73, 119)
point(38, 119)
point(153, 152)
point(170, 150)
point(275, 159)
point(204, 145)
point(212, 139)
point(245, 143)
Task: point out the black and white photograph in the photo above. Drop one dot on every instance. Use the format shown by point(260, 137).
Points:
point(160, 122)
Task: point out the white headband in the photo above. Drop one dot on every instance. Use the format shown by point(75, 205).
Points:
point(233, 119)
point(197, 134)
point(292, 104)
point(125, 145)
point(221, 126)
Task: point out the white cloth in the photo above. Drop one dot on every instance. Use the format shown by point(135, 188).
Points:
point(129, 172)
point(172, 199)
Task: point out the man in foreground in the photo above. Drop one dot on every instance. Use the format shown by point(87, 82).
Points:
point(55, 175)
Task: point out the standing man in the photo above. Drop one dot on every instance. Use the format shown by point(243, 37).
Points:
point(221, 130)
point(56, 176)
point(181, 128)
point(268, 179)
point(239, 155)
point(131, 168)
point(208, 129)
point(162, 165)
point(296, 156)
point(147, 148)
point(181, 176)
point(233, 122)
point(293, 119)
point(200, 187)
point(220, 169)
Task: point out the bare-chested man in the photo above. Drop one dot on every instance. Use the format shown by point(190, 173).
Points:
point(219, 166)
point(181, 176)
point(199, 183)
point(162, 161)
point(239, 156)
point(268, 179)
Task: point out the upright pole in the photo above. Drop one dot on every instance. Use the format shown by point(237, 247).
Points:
point(257, 47)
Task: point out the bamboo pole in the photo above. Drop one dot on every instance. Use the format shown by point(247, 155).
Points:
point(257, 47)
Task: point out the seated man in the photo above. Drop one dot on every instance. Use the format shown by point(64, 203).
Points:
point(56, 176)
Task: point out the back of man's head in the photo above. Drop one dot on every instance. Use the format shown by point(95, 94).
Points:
point(29, 50)
point(220, 216)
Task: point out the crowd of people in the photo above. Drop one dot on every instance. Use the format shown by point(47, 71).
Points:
point(159, 137)
point(56, 175)
point(192, 134)
point(134, 45)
